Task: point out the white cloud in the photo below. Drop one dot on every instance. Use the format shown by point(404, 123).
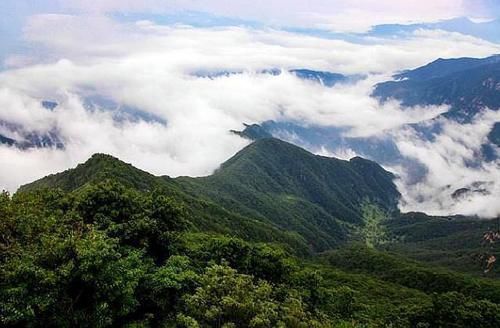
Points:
point(148, 67)
point(87, 38)
point(452, 160)
point(339, 15)
point(344, 153)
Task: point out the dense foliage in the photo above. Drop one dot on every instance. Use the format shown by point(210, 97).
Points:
point(454, 242)
point(287, 193)
point(108, 255)
point(106, 244)
point(284, 185)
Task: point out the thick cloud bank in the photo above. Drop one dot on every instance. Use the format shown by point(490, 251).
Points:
point(458, 182)
point(130, 90)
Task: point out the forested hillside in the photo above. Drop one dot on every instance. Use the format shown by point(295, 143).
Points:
point(312, 198)
point(277, 237)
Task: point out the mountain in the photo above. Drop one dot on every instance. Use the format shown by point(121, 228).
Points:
point(6, 141)
point(98, 168)
point(273, 191)
point(325, 78)
point(253, 132)
point(318, 240)
point(17, 136)
point(443, 67)
point(24, 137)
point(381, 150)
point(49, 104)
point(309, 197)
point(467, 85)
point(205, 215)
point(455, 242)
point(320, 197)
point(494, 135)
point(331, 140)
point(143, 258)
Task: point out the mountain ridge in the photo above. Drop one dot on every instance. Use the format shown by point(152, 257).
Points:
point(467, 85)
point(263, 182)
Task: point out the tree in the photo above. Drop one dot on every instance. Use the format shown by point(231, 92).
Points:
point(226, 298)
point(163, 288)
point(58, 270)
point(169, 220)
point(454, 309)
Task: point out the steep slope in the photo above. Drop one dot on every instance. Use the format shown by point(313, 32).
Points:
point(443, 67)
point(253, 132)
point(270, 182)
point(205, 215)
point(468, 85)
point(319, 197)
point(98, 168)
point(327, 79)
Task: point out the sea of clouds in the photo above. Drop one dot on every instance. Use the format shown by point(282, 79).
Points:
point(151, 68)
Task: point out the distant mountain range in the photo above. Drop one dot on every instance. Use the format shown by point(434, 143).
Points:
point(17, 136)
point(20, 137)
point(327, 79)
point(467, 85)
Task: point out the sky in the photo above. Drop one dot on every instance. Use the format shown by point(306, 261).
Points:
point(313, 16)
point(102, 60)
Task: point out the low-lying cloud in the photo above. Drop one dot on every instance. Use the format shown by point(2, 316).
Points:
point(149, 68)
point(458, 182)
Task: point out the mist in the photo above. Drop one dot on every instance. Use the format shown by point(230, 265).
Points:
point(150, 68)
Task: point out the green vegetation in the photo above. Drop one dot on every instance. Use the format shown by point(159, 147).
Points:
point(106, 244)
point(270, 185)
point(373, 232)
point(318, 197)
point(453, 242)
point(108, 255)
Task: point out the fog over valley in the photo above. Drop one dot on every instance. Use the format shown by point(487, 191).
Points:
point(164, 97)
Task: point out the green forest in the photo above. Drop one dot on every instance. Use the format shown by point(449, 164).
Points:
point(277, 237)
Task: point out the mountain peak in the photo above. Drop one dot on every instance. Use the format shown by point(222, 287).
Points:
point(253, 132)
point(99, 167)
point(270, 180)
point(285, 168)
point(98, 157)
